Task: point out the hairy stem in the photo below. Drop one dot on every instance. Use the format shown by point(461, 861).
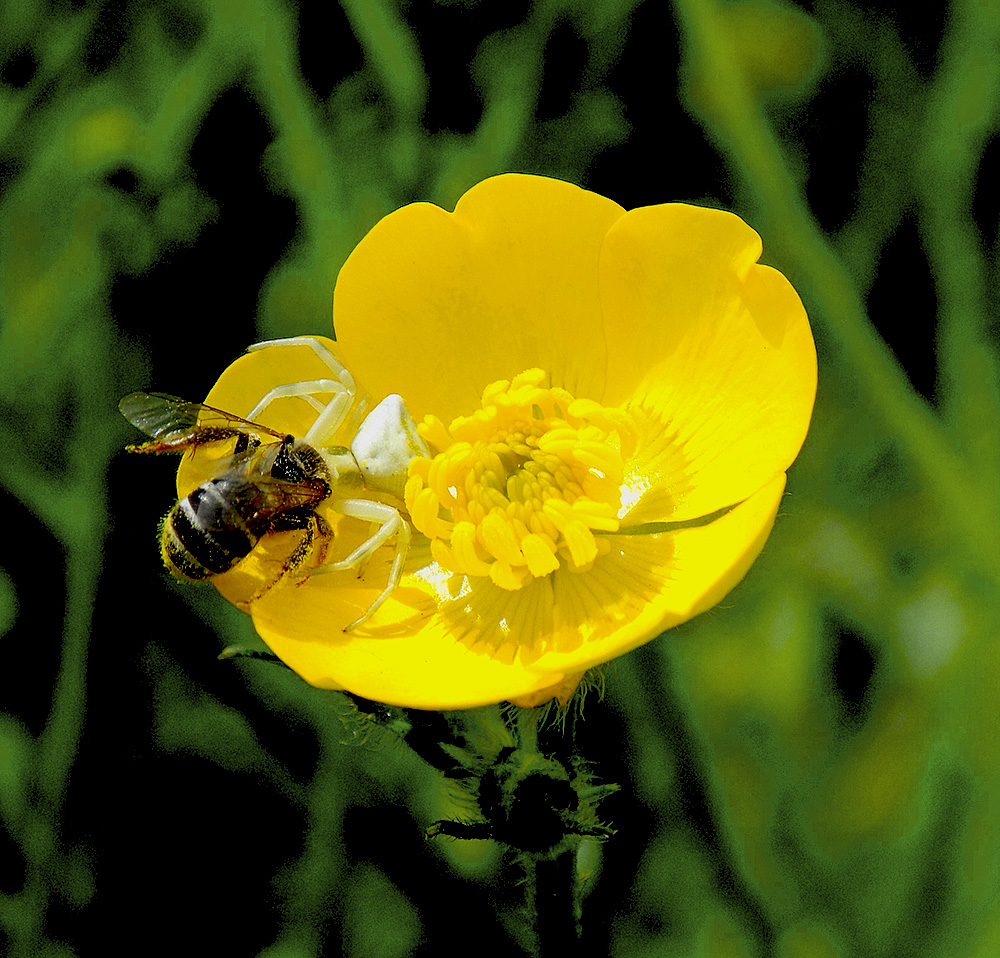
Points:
point(554, 902)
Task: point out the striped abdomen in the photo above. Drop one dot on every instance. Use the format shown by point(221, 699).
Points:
point(212, 529)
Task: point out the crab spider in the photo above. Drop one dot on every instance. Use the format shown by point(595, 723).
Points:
point(383, 443)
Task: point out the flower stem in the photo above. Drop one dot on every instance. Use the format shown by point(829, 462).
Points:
point(960, 116)
point(554, 902)
point(728, 106)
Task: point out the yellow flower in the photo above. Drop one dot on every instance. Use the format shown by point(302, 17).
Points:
point(610, 401)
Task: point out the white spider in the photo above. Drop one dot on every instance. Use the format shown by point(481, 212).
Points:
point(384, 442)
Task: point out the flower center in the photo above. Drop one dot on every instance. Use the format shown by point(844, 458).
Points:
point(520, 487)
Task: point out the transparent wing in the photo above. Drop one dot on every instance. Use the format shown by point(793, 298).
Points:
point(176, 424)
point(266, 497)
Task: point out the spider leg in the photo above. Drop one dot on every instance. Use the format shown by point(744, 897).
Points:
point(306, 389)
point(335, 366)
point(343, 387)
point(390, 523)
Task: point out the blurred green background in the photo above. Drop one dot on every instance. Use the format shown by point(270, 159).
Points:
point(808, 771)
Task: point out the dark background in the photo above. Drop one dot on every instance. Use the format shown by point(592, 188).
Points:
point(182, 179)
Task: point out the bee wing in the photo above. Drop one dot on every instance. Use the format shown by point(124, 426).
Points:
point(266, 496)
point(255, 461)
point(177, 424)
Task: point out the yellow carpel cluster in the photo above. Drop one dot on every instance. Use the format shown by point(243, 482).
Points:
point(520, 487)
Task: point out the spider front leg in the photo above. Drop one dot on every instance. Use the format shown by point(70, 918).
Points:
point(342, 386)
point(390, 523)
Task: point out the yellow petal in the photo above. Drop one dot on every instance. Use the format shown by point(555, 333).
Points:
point(702, 564)
point(714, 346)
point(436, 305)
point(417, 653)
point(408, 655)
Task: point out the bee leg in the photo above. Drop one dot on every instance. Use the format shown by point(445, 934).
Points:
point(324, 533)
point(390, 523)
point(302, 551)
point(313, 527)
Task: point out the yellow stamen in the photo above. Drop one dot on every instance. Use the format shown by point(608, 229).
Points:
point(539, 555)
point(520, 486)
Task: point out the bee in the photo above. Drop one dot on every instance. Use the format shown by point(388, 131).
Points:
point(272, 481)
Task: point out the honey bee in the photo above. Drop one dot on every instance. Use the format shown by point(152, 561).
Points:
point(274, 482)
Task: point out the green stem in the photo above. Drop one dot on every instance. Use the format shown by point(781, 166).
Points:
point(552, 887)
point(59, 742)
point(729, 106)
point(554, 902)
point(885, 187)
point(961, 113)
